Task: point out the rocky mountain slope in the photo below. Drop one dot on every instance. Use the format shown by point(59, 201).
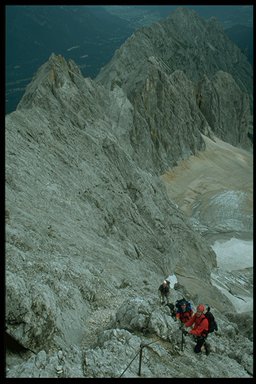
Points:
point(91, 230)
point(184, 77)
point(215, 189)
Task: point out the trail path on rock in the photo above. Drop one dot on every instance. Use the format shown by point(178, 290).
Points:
point(100, 319)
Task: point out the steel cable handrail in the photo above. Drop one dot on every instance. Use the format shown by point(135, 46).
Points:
point(141, 347)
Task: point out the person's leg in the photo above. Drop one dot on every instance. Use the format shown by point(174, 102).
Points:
point(161, 298)
point(199, 343)
point(207, 348)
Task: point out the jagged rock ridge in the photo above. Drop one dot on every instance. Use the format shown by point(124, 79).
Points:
point(184, 77)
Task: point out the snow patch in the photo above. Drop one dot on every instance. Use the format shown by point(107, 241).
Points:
point(172, 279)
point(229, 198)
point(234, 254)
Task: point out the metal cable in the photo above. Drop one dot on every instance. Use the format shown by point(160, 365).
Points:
point(141, 346)
point(130, 363)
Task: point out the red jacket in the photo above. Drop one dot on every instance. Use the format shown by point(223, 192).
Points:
point(184, 316)
point(201, 325)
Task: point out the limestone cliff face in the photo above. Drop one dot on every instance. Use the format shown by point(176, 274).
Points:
point(185, 42)
point(162, 68)
point(225, 107)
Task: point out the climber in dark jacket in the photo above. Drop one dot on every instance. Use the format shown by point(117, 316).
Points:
point(184, 313)
point(164, 291)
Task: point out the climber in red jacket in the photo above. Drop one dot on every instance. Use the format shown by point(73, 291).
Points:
point(200, 329)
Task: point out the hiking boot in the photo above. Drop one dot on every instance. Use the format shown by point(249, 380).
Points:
point(207, 349)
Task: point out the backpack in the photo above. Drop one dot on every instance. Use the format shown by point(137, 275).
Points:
point(179, 302)
point(213, 326)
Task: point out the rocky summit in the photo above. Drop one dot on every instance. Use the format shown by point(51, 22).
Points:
point(96, 215)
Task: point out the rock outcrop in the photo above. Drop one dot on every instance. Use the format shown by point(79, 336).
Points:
point(225, 107)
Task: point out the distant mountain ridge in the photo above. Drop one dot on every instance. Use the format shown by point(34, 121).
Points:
point(195, 46)
point(227, 15)
point(87, 34)
point(182, 55)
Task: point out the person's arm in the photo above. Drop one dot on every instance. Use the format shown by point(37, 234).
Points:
point(190, 322)
point(203, 326)
point(160, 292)
point(191, 313)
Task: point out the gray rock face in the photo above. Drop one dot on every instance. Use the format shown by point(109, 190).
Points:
point(226, 108)
point(89, 224)
point(163, 70)
point(184, 42)
point(79, 179)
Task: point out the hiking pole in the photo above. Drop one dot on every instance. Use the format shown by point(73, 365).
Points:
point(182, 340)
point(141, 347)
point(183, 332)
